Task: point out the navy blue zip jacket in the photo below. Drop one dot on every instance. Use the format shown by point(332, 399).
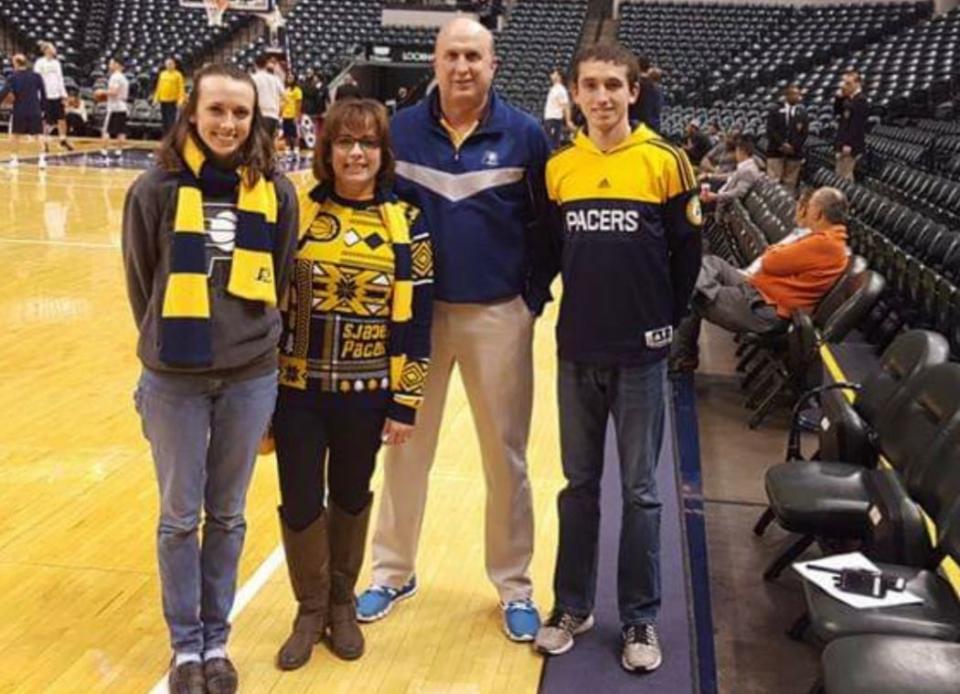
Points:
point(484, 203)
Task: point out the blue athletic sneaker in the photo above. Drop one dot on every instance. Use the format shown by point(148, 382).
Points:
point(520, 619)
point(377, 601)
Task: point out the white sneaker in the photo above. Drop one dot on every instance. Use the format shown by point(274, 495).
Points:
point(556, 636)
point(42, 162)
point(641, 648)
point(13, 163)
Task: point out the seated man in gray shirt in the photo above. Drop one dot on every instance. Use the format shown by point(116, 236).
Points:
point(721, 161)
point(741, 180)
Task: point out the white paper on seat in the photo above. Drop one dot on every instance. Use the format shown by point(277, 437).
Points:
point(852, 560)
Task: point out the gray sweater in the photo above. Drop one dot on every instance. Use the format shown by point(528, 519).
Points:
point(245, 333)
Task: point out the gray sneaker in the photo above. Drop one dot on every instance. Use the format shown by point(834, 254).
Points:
point(556, 636)
point(641, 648)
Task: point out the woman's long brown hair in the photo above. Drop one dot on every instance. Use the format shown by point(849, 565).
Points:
point(256, 154)
point(356, 115)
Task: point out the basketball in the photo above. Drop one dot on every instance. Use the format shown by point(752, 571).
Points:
point(100, 95)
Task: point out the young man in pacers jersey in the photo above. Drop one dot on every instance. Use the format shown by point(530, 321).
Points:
point(629, 218)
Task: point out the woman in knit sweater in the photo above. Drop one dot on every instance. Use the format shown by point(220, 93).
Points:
point(208, 239)
point(353, 359)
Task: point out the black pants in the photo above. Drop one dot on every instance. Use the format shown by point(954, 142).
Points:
point(304, 436)
point(168, 114)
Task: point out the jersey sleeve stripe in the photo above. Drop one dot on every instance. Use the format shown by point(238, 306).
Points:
point(685, 170)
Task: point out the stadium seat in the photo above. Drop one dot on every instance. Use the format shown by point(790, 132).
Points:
point(831, 499)
point(881, 664)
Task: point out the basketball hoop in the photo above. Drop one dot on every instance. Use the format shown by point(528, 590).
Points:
point(215, 10)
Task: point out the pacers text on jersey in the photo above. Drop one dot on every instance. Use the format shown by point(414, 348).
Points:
point(603, 220)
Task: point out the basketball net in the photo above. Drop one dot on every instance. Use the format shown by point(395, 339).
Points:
point(215, 10)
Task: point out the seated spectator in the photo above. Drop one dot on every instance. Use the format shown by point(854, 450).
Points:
point(790, 276)
point(741, 180)
point(714, 133)
point(696, 144)
point(721, 160)
point(76, 113)
point(800, 231)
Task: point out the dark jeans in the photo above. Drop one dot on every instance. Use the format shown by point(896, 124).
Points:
point(554, 128)
point(168, 115)
point(303, 436)
point(588, 395)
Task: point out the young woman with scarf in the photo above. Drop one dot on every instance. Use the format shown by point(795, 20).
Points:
point(208, 241)
point(353, 359)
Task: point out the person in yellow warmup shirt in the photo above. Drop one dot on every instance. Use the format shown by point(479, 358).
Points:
point(290, 113)
point(170, 93)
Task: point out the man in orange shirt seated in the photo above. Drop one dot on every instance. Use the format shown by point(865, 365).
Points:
point(790, 276)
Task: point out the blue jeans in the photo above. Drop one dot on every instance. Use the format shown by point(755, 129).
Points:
point(588, 395)
point(204, 434)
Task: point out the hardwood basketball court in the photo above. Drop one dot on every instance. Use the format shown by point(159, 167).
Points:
point(79, 591)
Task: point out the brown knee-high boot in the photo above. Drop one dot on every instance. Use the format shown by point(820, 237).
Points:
point(348, 536)
point(308, 563)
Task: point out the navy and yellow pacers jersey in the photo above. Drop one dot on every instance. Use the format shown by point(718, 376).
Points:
point(630, 220)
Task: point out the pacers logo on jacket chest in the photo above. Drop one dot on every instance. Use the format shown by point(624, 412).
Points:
point(602, 219)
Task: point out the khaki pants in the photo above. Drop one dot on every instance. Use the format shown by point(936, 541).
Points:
point(785, 171)
point(492, 346)
point(846, 163)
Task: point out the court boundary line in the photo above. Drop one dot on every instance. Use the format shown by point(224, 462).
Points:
point(244, 597)
point(95, 245)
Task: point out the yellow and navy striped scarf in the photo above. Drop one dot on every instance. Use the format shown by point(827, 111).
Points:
point(185, 336)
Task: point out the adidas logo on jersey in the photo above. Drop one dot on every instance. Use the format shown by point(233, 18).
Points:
point(604, 184)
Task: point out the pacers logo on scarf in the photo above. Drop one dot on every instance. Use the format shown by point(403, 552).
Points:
point(185, 338)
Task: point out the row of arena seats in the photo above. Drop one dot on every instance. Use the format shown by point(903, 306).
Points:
point(910, 71)
point(717, 52)
point(907, 73)
point(43, 20)
point(322, 35)
point(887, 461)
point(940, 127)
point(780, 365)
point(325, 35)
point(812, 37)
point(919, 255)
point(145, 32)
point(689, 41)
point(905, 411)
point(885, 464)
point(539, 35)
point(933, 151)
point(932, 195)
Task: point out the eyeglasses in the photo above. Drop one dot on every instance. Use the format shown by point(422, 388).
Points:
point(346, 143)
